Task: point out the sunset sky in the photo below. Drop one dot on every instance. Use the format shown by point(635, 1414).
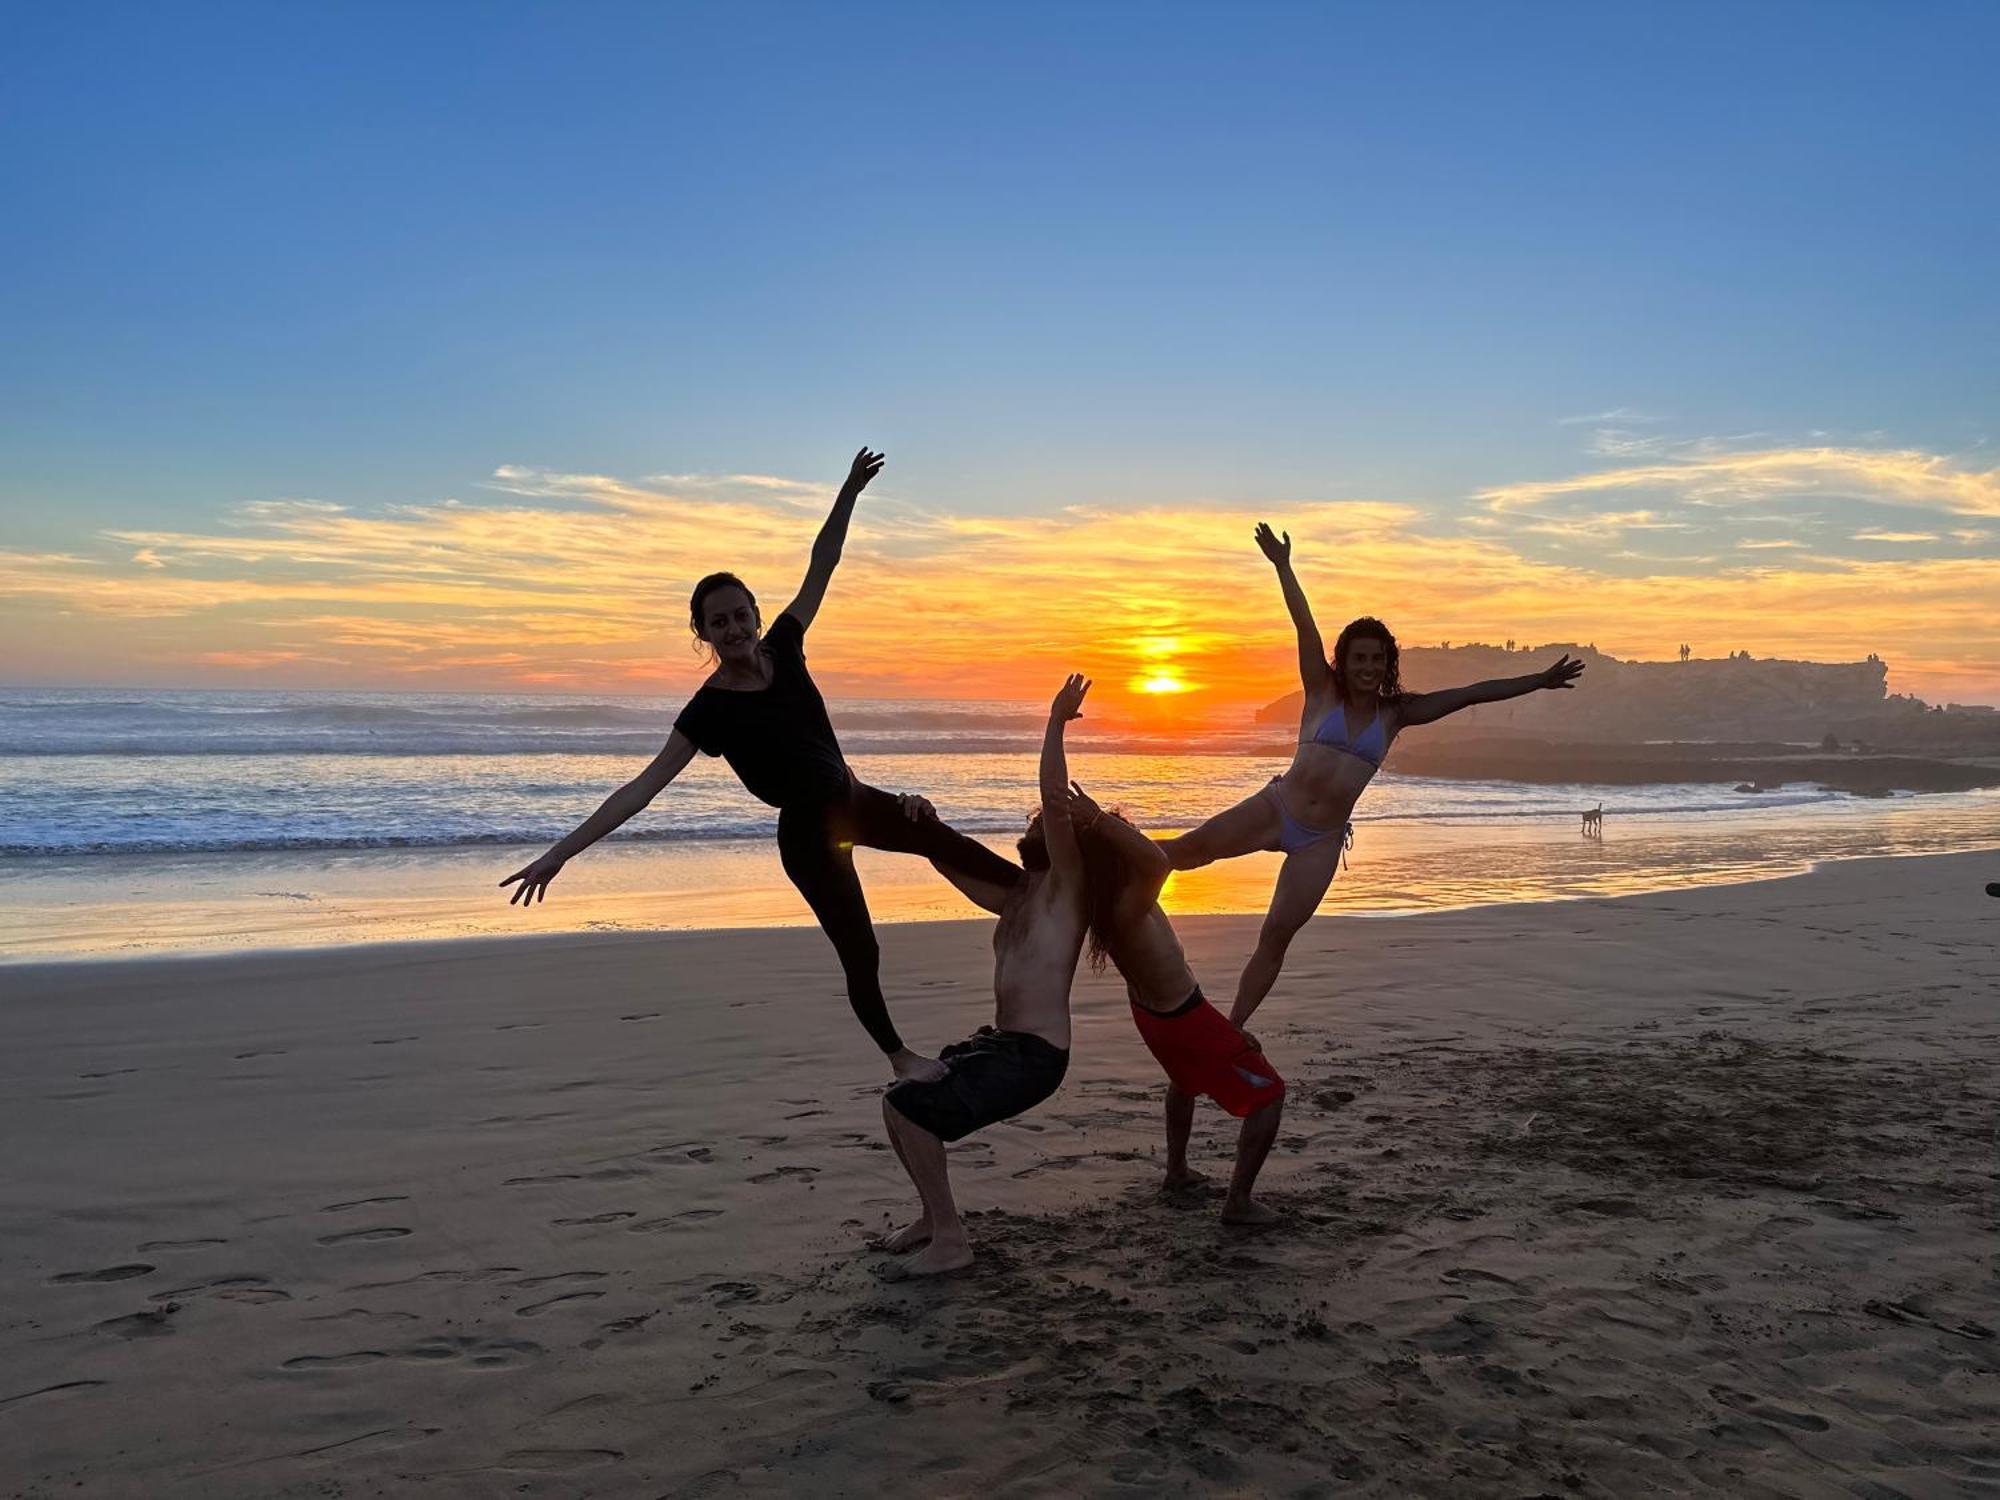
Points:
point(439, 347)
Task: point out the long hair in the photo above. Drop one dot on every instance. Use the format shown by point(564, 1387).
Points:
point(702, 590)
point(1368, 628)
point(1106, 874)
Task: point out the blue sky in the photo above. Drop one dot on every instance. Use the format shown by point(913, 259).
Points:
point(1046, 255)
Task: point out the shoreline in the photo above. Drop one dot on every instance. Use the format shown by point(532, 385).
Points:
point(568, 939)
point(1670, 1192)
point(124, 906)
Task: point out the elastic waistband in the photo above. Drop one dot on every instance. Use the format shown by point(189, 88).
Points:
point(1193, 1001)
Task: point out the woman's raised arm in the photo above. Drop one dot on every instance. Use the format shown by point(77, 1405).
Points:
point(832, 537)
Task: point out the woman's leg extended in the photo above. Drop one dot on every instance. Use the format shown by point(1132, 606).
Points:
point(824, 874)
point(1250, 825)
point(1302, 882)
point(876, 820)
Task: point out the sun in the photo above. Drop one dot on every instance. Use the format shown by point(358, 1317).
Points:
point(1158, 684)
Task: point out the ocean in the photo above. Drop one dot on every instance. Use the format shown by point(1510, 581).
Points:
point(193, 821)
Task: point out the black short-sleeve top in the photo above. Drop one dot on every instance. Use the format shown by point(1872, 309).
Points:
point(777, 739)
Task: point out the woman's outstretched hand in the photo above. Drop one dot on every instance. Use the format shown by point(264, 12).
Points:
point(1278, 550)
point(867, 464)
point(1069, 702)
point(1562, 675)
point(534, 880)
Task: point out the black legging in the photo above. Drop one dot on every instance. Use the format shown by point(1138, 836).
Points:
point(816, 844)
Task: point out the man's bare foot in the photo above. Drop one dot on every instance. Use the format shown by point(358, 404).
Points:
point(1249, 1214)
point(907, 1238)
point(1186, 1180)
point(915, 1067)
point(940, 1257)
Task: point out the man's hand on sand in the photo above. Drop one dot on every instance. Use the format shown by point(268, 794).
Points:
point(866, 466)
point(534, 880)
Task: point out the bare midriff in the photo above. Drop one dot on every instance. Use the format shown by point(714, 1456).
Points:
point(1323, 784)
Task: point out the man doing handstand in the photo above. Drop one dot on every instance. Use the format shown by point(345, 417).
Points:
point(1017, 1062)
point(1200, 1050)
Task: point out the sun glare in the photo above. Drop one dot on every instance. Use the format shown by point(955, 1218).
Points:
point(1160, 684)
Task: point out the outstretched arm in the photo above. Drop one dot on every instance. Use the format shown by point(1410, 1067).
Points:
point(990, 894)
point(1065, 856)
point(1428, 708)
point(627, 802)
point(832, 537)
point(1312, 652)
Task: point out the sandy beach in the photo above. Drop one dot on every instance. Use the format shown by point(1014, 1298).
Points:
point(1691, 1192)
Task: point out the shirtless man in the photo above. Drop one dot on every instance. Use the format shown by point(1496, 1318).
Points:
point(1202, 1052)
point(1009, 1067)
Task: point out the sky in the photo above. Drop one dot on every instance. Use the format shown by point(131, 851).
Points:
point(439, 347)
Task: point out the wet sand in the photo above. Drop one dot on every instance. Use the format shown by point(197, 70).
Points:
point(1676, 1193)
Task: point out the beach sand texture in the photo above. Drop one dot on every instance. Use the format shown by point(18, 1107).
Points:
point(1669, 1194)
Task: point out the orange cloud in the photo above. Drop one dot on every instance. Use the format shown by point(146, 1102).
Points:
point(580, 582)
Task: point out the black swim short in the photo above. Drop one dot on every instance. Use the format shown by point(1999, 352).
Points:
point(994, 1076)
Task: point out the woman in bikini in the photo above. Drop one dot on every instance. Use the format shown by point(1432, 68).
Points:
point(1355, 707)
point(760, 711)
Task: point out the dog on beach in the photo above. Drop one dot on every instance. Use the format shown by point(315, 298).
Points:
point(1593, 821)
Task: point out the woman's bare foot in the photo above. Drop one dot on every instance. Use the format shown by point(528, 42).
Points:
point(1249, 1214)
point(1186, 1180)
point(915, 1067)
point(896, 1242)
point(940, 1256)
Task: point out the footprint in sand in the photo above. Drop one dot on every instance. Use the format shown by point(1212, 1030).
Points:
point(557, 1460)
point(335, 1208)
point(536, 1309)
point(348, 1236)
point(605, 1218)
point(648, 1015)
point(265, 1052)
point(391, 1041)
point(109, 1073)
point(252, 1289)
point(681, 1220)
point(142, 1325)
point(777, 1174)
point(481, 1353)
point(363, 1315)
point(530, 1282)
point(522, 1026)
point(108, 1273)
point(153, 1245)
point(66, 1388)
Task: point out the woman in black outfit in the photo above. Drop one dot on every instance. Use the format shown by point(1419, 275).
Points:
point(760, 711)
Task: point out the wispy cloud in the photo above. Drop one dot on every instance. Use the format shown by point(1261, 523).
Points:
point(1895, 536)
point(1894, 477)
point(1616, 414)
point(580, 581)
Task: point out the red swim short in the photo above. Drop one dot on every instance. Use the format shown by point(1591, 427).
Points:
point(1204, 1054)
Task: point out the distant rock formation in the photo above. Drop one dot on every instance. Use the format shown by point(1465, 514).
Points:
point(1737, 697)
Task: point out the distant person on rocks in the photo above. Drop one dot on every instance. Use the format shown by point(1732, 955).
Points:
point(760, 710)
point(1017, 1062)
point(1202, 1053)
point(1354, 709)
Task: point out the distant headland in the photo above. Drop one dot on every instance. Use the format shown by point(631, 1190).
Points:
point(1740, 719)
